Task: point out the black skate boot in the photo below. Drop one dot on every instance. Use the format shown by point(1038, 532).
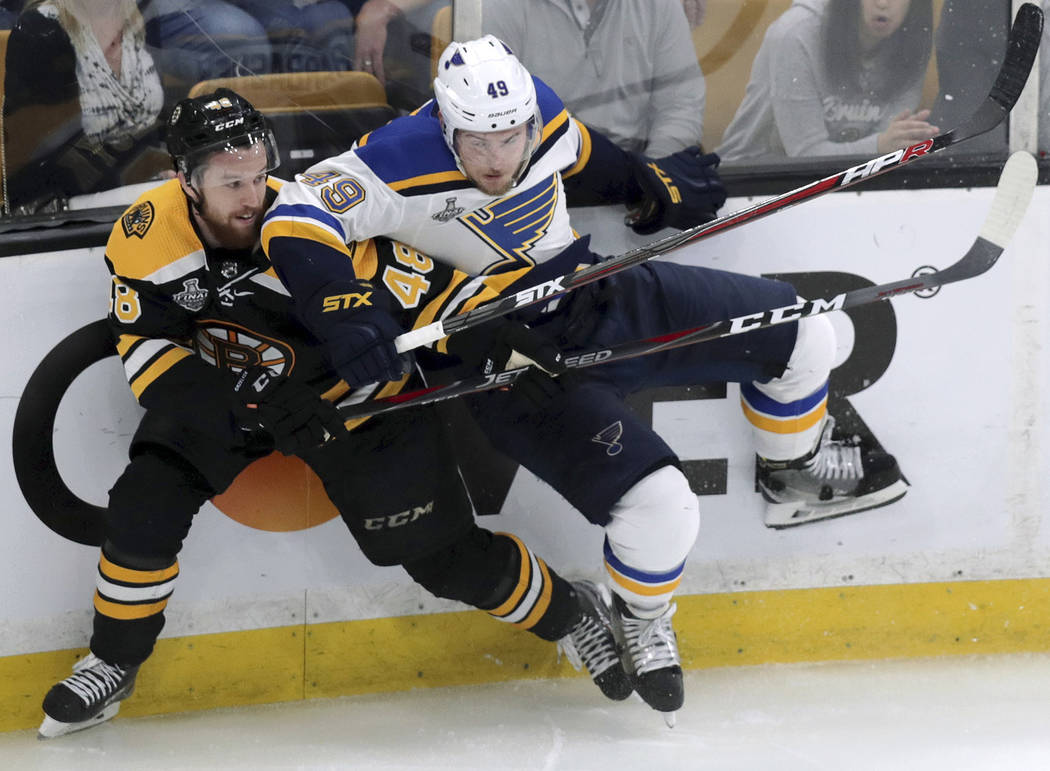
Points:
point(651, 656)
point(91, 695)
point(591, 642)
point(838, 477)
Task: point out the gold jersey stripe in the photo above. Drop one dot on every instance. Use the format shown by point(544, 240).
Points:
point(280, 228)
point(436, 178)
point(145, 379)
point(585, 152)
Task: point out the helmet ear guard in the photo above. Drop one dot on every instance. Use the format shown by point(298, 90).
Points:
point(482, 87)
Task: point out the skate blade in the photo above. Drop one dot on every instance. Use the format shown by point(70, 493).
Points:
point(670, 718)
point(52, 728)
point(791, 514)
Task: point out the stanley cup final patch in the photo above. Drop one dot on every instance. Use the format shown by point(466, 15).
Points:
point(137, 221)
point(192, 297)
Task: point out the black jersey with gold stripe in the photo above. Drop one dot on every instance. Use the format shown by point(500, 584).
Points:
point(185, 314)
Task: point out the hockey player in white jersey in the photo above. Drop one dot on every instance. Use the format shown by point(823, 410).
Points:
point(480, 178)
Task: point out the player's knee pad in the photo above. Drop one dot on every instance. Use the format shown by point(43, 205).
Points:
point(810, 363)
point(152, 505)
point(652, 530)
point(497, 573)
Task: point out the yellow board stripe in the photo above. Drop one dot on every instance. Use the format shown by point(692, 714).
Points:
point(128, 612)
point(794, 425)
point(115, 572)
point(289, 663)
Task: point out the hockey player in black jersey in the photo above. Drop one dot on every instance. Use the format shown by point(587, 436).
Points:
point(229, 370)
point(481, 178)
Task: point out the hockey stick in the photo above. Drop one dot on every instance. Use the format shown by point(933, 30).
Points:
point(1012, 196)
point(1022, 46)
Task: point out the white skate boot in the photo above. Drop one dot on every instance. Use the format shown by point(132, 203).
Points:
point(838, 477)
point(88, 697)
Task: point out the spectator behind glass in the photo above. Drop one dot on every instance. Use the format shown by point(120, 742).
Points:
point(625, 67)
point(191, 41)
point(306, 35)
point(82, 99)
point(836, 78)
point(7, 18)
point(373, 18)
point(971, 44)
point(392, 40)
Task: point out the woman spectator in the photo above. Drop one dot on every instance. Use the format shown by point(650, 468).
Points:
point(836, 78)
point(82, 102)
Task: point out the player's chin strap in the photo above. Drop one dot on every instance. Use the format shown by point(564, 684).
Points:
point(1021, 49)
point(1012, 196)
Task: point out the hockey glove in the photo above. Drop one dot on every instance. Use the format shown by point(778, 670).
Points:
point(505, 345)
point(361, 349)
point(679, 191)
point(291, 412)
point(358, 332)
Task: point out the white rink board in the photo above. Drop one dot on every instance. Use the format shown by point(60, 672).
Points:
point(963, 406)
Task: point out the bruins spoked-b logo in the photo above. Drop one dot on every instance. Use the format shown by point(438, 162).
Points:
point(137, 221)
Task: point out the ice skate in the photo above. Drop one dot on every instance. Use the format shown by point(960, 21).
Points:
point(838, 477)
point(592, 643)
point(651, 657)
point(88, 697)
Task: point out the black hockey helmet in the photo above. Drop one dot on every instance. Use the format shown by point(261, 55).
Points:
point(219, 121)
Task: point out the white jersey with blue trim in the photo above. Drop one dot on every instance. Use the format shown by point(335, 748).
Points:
point(402, 181)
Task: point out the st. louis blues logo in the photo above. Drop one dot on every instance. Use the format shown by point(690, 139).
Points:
point(510, 226)
point(610, 436)
point(450, 212)
point(192, 297)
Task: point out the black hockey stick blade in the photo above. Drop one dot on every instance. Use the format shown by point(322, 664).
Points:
point(1012, 196)
point(1022, 47)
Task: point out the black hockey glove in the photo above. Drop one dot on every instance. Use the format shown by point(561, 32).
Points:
point(361, 349)
point(358, 332)
point(679, 191)
point(502, 345)
point(292, 413)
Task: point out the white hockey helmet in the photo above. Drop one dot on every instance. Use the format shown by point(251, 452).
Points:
point(481, 86)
